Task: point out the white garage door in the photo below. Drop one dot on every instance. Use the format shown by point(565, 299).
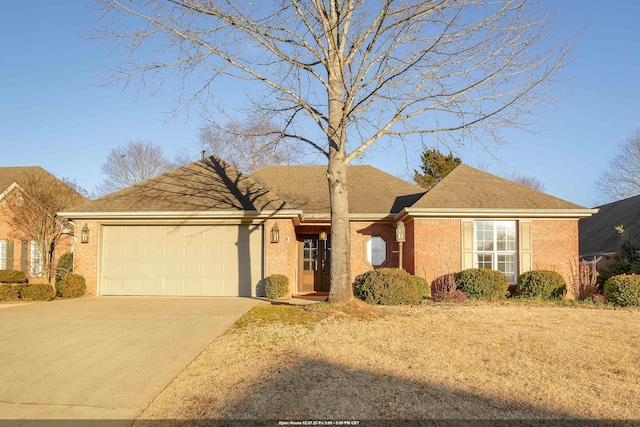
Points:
point(193, 260)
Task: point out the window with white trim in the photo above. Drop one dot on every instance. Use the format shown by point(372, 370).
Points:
point(376, 251)
point(35, 268)
point(3, 254)
point(496, 246)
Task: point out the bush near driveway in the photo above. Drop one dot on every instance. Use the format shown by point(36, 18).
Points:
point(482, 283)
point(623, 289)
point(72, 286)
point(8, 292)
point(38, 292)
point(386, 286)
point(276, 286)
point(541, 284)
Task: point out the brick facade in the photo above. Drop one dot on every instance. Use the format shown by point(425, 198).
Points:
point(361, 233)
point(555, 245)
point(436, 247)
point(282, 257)
point(85, 257)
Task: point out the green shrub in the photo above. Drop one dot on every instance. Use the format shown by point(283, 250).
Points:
point(424, 288)
point(540, 283)
point(623, 289)
point(482, 283)
point(72, 286)
point(65, 266)
point(276, 286)
point(8, 292)
point(386, 286)
point(38, 292)
point(12, 276)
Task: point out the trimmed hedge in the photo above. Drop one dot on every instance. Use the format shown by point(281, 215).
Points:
point(540, 283)
point(482, 283)
point(9, 292)
point(386, 286)
point(623, 289)
point(38, 292)
point(424, 288)
point(276, 286)
point(72, 286)
point(12, 276)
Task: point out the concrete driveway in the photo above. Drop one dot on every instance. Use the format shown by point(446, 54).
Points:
point(104, 357)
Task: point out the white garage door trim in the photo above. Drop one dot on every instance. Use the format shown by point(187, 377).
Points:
point(181, 260)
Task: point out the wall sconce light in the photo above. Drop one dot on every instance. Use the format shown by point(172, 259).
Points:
point(275, 234)
point(84, 235)
point(400, 231)
point(323, 235)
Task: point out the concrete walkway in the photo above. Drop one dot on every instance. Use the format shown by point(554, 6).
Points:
point(105, 357)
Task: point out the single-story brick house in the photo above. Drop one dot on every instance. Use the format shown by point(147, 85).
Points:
point(17, 251)
point(205, 229)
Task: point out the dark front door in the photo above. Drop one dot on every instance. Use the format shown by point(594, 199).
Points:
point(315, 257)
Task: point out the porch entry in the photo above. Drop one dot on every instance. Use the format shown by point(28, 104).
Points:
point(315, 263)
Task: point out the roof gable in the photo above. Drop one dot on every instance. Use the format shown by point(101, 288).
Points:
point(469, 188)
point(206, 185)
point(371, 191)
point(17, 174)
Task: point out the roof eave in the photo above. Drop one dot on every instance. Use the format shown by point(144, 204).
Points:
point(496, 212)
point(180, 214)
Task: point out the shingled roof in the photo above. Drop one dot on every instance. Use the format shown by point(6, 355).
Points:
point(371, 191)
point(17, 174)
point(469, 188)
point(598, 234)
point(204, 186)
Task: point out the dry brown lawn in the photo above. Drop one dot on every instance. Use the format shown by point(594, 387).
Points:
point(492, 361)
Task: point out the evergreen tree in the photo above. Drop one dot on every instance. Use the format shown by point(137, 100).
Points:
point(435, 166)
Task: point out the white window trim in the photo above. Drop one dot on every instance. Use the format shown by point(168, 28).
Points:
point(3, 254)
point(495, 252)
point(370, 250)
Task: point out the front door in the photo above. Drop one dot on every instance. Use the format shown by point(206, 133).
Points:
point(315, 257)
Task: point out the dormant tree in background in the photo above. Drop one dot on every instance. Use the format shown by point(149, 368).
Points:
point(132, 163)
point(250, 144)
point(527, 181)
point(342, 75)
point(622, 179)
point(435, 166)
point(32, 213)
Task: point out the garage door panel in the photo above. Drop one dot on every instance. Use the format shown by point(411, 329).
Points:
point(181, 260)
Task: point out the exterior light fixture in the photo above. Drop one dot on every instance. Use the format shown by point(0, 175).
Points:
point(400, 231)
point(323, 235)
point(400, 239)
point(84, 235)
point(275, 234)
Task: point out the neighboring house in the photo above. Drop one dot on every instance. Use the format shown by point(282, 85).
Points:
point(599, 238)
point(204, 229)
point(15, 253)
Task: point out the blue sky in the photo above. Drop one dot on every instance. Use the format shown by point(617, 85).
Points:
point(54, 114)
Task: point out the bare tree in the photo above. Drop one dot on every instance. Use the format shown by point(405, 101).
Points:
point(527, 181)
point(361, 71)
point(32, 212)
point(132, 163)
point(622, 179)
point(250, 144)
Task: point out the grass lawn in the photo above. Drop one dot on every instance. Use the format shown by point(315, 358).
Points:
point(474, 361)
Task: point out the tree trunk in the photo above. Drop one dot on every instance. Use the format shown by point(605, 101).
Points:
point(341, 290)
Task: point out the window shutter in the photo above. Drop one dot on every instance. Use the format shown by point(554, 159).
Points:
point(24, 256)
point(467, 244)
point(10, 255)
point(525, 252)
